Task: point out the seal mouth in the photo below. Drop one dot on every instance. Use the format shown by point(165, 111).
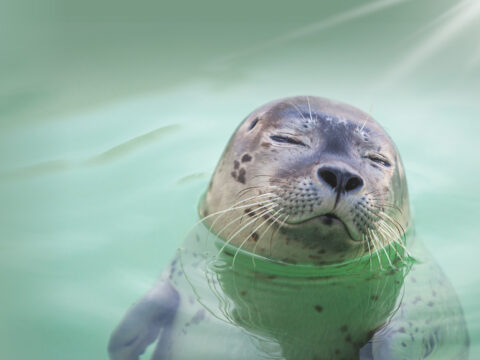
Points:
point(328, 219)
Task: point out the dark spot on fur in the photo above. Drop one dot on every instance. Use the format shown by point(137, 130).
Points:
point(250, 212)
point(246, 158)
point(243, 293)
point(344, 328)
point(401, 330)
point(319, 308)
point(337, 351)
point(255, 236)
point(253, 123)
point(236, 164)
point(234, 174)
point(348, 338)
point(430, 303)
point(403, 344)
point(374, 297)
point(262, 276)
point(266, 144)
point(241, 176)
point(199, 316)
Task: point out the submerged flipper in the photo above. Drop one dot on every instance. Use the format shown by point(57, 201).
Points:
point(148, 319)
point(429, 324)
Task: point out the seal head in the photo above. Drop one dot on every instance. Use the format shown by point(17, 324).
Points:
point(309, 180)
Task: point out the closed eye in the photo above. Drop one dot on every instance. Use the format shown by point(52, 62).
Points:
point(286, 139)
point(379, 159)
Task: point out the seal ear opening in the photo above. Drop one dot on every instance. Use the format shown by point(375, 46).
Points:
point(254, 122)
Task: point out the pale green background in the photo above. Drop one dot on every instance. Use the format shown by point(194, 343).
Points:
point(113, 115)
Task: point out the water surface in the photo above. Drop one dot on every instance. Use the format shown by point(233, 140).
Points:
point(111, 122)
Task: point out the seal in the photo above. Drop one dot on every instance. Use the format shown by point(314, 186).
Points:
point(319, 168)
point(305, 250)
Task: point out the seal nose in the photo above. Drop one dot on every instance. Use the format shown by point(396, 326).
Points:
point(339, 179)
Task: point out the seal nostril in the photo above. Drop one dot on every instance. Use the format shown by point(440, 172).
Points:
point(353, 183)
point(329, 177)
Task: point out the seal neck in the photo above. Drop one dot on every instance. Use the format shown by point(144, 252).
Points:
point(391, 258)
point(217, 254)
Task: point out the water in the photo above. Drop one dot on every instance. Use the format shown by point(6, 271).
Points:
point(112, 120)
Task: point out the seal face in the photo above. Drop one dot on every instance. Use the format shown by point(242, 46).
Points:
point(310, 180)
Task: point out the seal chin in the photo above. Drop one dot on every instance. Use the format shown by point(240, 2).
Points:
point(332, 222)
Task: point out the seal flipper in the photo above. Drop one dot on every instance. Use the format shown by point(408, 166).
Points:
point(366, 352)
point(397, 344)
point(142, 324)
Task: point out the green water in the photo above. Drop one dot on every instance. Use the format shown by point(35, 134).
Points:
point(113, 116)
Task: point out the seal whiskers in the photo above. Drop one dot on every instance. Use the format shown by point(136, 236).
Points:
point(232, 208)
point(270, 206)
point(248, 237)
point(370, 237)
point(273, 233)
point(275, 220)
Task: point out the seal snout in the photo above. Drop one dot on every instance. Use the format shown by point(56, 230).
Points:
point(339, 179)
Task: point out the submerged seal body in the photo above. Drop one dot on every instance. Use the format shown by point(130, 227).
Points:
point(305, 251)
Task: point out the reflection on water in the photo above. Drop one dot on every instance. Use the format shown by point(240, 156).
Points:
point(115, 153)
point(214, 304)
